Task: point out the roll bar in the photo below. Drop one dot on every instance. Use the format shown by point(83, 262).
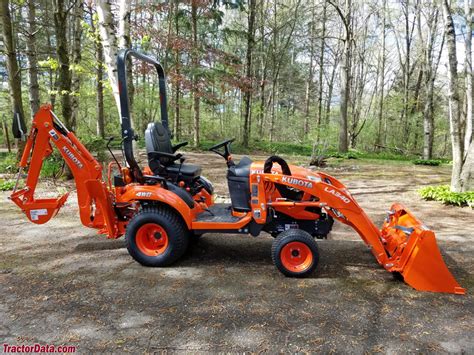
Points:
point(128, 135)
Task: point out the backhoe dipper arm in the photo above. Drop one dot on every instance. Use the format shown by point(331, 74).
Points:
point(93, 198)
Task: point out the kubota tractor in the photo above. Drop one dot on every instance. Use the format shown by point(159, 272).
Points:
point(162, 206)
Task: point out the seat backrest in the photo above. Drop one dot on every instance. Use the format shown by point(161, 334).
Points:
point(157, 139)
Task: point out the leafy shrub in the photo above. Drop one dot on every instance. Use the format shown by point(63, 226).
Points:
point(444, 194)
point(430, 162)
point(51, 166)
point(7, 185)
point(8, 163)
point(352, 154)
point(96, 145)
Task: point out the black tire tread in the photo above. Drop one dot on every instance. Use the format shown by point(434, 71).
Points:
point(179, 228)
point(296, 235)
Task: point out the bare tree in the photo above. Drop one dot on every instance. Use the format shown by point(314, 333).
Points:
point(322, 50)
point(468, 72)
point(78, 13)
point(430, 69)
point(381, 76)
point(248, 71)
point(109, 44)
point(309, 79)
point(33, 85)
point(195, 78)
point(177, 86)
point(345, 74)
point(62, 50)
point(14, 74)
point(457, 184)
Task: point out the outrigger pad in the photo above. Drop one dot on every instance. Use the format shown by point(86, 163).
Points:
point(415, 253)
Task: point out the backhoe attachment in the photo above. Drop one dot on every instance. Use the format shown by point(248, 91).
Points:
point(95, 204)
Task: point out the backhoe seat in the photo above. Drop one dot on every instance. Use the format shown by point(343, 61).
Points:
point(157, 139)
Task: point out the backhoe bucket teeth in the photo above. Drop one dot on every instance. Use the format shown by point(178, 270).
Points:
point(414, 253)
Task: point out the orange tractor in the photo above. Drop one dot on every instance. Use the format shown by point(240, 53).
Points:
point(162, 206)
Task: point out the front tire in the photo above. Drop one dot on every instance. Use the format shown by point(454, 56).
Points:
point(156, 237)
point(295, 253)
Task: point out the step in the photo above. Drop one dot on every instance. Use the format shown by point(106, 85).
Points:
point(221, 213)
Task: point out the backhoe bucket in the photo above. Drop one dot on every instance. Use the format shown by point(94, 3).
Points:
point(414, 253)
point(38, 211)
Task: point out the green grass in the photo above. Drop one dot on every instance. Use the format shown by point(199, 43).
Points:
point(51, 166)
point(443, 194)
point(8, 163)
point(7, 185)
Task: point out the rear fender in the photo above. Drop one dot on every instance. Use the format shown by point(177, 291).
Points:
point(157, 193)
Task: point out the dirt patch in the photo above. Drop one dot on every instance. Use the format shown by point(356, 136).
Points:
point(63, 284)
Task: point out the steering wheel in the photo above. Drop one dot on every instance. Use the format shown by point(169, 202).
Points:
point(267, 168)
point(226, 154)
point(221, 144)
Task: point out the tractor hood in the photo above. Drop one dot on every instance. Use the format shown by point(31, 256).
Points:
point(296, 171)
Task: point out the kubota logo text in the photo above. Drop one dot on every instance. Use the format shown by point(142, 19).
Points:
point(143, 194)
point(293, 181)
point(337, 194)
point(73, 157)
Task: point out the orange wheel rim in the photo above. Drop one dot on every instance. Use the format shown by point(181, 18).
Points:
point(151, 239)
point(296, 257)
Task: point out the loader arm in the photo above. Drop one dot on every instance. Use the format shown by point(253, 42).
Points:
point(94, 200)
point(403, 245)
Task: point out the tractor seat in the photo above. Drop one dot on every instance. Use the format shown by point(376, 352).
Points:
point(157, 139)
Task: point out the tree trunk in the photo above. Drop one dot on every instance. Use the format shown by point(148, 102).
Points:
point(406, 86)
point(430, 75)
point(321, 67)
point(345, 87)
point(177, 86)
point(99, 77)
point(33, 85)
point(52, 75)
point(274, 110)
point(327, 111)
point(64, 79)
point(467, 173)
point(14, 74)
point(453, 97)
point(381, 79)
point(109, 44)
point(264, 70)
point(261, 111)
point(248, 72)
point(309, 79)
point(468, 73)
point(76, 60)
point(124, 41)
point(195, 79)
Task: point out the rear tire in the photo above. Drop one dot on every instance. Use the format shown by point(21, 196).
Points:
point(156, 237)
point(295, 253)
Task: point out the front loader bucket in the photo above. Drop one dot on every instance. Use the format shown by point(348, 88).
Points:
point(415, 254)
